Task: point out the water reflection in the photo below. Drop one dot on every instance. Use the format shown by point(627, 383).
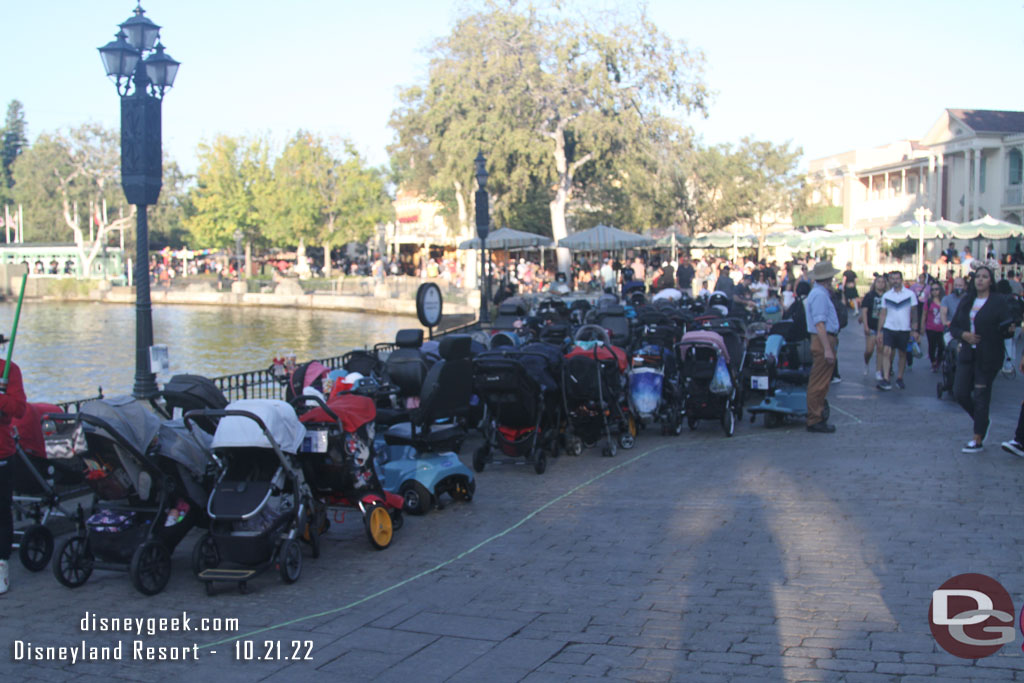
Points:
point(67, 350)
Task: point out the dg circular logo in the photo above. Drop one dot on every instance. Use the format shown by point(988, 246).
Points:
point(971, 616)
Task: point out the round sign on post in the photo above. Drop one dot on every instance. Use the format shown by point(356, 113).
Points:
point(429, 305)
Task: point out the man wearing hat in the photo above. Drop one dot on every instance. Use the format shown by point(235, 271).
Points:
point(823, 328)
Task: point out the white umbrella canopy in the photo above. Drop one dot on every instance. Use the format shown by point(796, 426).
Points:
point(987, 228)
point(602, 237)
point(507, 238)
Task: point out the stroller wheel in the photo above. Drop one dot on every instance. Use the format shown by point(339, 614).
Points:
point(728, 420)
point(205, 554)
point(73, 565)
point(608, 451)
point(939, 390)
point(575, 446)
point(150, 569)
point(378, 526)
point(691, 422)
point(417, 497)
point(397, 520)
point(36, 547)
point(480, 459)
point(541, 463)
point(627, 439)
point(289, 561)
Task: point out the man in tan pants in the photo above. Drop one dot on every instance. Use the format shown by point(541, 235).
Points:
point(823, 328)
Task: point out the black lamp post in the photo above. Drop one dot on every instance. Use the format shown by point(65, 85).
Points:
point(483, 226)
point(141, 82)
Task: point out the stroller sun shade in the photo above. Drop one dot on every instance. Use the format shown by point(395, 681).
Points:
point(241, 432)
point(132, 421)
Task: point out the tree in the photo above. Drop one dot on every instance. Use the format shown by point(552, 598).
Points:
point(64, 175)
point(769, 183)
point(715, 185)
point(15, 141)
point(544, 95)
point(232, 183)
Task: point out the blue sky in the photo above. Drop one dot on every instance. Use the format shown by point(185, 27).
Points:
point(829, 76)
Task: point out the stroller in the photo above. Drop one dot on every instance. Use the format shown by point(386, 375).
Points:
point(261, 503)
point(149, 479)
point(594, 393)
point(47, 472)
point(709, 380)
point(755, 369)
point(337, 457)
point(520, 391)
point(948, 368)
point(655, 388)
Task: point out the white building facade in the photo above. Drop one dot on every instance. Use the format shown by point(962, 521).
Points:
point(969, 164)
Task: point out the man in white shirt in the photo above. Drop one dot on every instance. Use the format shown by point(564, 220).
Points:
point(897, 321)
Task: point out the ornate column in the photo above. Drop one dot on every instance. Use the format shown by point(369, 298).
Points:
point(977, 183)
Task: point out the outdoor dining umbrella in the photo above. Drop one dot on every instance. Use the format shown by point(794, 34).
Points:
point(507, 238)
point(604, 237)
point(673, 240)
point(987, 228)
point(936, 230)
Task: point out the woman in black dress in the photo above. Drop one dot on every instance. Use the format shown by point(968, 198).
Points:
point(980, 323)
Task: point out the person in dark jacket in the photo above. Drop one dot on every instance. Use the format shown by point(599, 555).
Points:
point(978, 323)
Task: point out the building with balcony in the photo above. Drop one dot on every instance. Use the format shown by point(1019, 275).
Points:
point(969, 164)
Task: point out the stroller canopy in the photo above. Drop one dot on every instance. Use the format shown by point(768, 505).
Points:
point(702, 337)
point(130, 418)
point(354, 411)
point(188, 448)
point(241, 432)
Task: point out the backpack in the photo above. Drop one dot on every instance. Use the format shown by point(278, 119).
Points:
point(842, 310)
point(798, 314)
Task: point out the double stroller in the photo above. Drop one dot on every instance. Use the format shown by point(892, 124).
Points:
point(520, 391)
point(594, 393)
point(47, 471)
point(710, 372)
point(261, 505)
point(337, 457)
point(149, 478)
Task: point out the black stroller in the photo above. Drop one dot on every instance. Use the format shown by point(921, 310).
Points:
point(523, 407)
point(594, 393)
point(150, 479)
point(700, 352)
point(47, 471)
point(261, 503)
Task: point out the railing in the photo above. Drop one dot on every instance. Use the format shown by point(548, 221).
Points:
point(260, 383)
point(76, 405)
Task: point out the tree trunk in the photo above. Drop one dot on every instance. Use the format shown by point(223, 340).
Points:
point(301, 267)
point(563, 193)
point(327, 258)
point(470, 276)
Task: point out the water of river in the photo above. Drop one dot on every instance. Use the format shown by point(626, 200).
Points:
point(68, 350)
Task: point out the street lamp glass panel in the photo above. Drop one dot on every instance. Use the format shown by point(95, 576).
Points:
point(141, 32)
point(161, 68)
point(481, 170)
point(119, 58)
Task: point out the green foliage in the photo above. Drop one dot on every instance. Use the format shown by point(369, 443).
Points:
point(233, 184)
point(14, 142)
point(816, 216)
point(167, 220)
point(566, 109)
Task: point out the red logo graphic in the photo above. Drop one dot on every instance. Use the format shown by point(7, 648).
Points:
point(971, 616)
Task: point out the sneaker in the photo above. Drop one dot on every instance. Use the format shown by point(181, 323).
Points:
point(1008, 370)
point(878, 376)
point(837, 379)
point(1014, 447)
point(972, 446)
point(900, 384)
point(884, 386)
point(5, 579)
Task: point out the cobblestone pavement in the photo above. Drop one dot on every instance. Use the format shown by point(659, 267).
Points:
point(774, 555)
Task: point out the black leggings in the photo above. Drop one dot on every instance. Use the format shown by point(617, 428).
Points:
point(973, 391)
point(6, 512)
point(936, 346)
